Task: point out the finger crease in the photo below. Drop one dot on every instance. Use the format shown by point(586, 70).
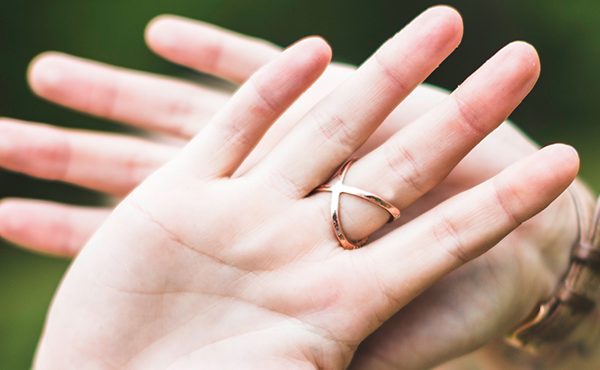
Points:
point(408, 171)
point(391, 74)
point(469, 117)
point(501, 201)
point(447, 230)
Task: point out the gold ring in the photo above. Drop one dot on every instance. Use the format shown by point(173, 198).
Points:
point(337, 188)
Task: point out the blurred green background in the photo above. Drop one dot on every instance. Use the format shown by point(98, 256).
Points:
point(563, 107)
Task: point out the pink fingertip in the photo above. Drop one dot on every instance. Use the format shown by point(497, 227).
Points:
point(45, 72)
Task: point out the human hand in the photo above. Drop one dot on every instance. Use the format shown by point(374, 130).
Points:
point(319, 288)
point(484, 299)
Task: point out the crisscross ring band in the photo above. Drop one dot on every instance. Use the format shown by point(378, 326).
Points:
point(337, 187)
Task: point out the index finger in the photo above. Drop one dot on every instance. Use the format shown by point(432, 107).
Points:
point(208, 48)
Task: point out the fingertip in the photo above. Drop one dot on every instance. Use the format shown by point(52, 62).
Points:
point(438, 29)
point(169, 32)
point(534, 182)
point(26, 225)
point(163, 19)
point(318, 43)
point(306, 59)
point(44, 72)
point(512, 72)
point(448, 21)
point(543, 176)
point(565, 160)
point(12, 225)
point(526, 57)
point(450, 16)
point(158, 31)
point(315, 50)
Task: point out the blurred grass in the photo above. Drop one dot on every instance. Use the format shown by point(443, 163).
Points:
point(26, 290)
point(563, 107)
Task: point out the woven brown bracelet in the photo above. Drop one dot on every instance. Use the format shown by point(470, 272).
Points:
point(577, 294)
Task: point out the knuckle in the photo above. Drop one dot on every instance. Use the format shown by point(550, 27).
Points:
point(448, 235)
point(505, 198)
point(136, 168)
point(181, 112)
point(102, 97)
point(469, 116)
point(235, 135)
point(335, 129)
point(390, 73)
point(265, 104)
point(236, 138)
point(404, 166)
point(212, 56)
point(70, 231)
point(181, 107)
point(389, 295)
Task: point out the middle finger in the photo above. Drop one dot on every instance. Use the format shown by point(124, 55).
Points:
point(341, 122)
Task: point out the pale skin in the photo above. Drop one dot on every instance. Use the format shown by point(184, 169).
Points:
point(511, 73)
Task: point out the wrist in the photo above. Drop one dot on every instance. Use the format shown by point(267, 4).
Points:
point(568, 320)
point(560, 232)
point(545, 245)
point(581, 355)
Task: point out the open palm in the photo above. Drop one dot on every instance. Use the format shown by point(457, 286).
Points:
point(404, 329)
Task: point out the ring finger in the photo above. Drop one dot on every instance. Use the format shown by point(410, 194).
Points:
point(416, 159)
